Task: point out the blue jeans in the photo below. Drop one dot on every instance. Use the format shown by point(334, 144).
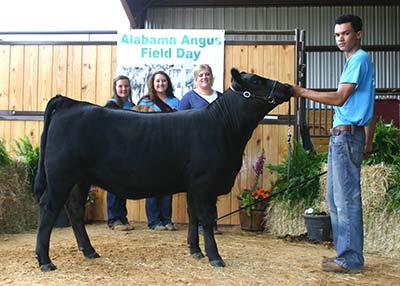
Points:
point(344, 197)
point(116, 209)
point(159, 210)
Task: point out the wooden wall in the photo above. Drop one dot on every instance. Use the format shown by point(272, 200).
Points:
point(32, 74)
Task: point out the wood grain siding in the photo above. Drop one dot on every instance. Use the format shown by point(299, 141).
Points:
point(32, 74)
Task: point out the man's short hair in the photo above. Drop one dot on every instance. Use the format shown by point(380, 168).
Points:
point(355, 21)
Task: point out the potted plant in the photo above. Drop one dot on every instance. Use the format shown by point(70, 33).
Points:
point(302, 190)
point(318, 224)
point(253, 200)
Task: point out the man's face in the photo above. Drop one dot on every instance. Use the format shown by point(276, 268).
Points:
point(347, 39)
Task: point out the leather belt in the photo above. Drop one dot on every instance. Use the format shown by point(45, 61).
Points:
point(336, 131)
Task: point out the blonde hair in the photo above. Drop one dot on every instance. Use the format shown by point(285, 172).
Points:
point(202, 67)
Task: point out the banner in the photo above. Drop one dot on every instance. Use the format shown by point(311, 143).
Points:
point(140, 52)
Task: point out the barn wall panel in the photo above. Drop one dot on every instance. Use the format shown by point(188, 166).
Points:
point(30, 82)
point(32, 74)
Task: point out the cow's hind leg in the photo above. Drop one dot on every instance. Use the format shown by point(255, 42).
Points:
point(76, 209)
point(49, 210)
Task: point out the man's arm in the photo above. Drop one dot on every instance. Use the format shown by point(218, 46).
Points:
point(336, 98)
point(369, 136)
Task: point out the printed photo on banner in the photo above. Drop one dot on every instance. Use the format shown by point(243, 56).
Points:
point(140, 52)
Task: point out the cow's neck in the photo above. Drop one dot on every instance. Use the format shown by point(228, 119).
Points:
point(237, 114)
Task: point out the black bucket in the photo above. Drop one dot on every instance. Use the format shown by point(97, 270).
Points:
point(318, 227)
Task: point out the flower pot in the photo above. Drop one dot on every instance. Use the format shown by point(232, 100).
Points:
point(318, 227)
point(89, 213)
point(254, 221)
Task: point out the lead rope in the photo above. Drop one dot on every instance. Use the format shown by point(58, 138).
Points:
point(289, 138)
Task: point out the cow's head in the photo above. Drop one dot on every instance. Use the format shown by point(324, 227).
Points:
point(266, 89)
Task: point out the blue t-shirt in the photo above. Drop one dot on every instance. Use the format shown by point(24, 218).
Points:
point(173, 102)
point(359, 107)
point(192, 100)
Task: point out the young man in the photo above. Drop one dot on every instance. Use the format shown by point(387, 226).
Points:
point(350, 142)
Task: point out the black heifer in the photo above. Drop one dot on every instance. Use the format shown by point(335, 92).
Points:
point(136, 155)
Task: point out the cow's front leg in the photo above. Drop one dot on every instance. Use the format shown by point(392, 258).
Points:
point(193, 237)
point(211, 246)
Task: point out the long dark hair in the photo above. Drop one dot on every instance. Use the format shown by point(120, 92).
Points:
point(115, 95)
point(152, 92)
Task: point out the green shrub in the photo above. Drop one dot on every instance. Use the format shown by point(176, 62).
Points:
point(304, 164)
point(386, 145)
point(5, 158)
point(386, 150)
point(25, 149)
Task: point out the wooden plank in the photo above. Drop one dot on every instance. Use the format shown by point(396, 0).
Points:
point(104, 75)
point(89, 60)
point(179, 208)
point(45, 77)
point(74, 72)
point(5, 55)
point(228, 57)
point(30, 82)
point(16, 89)
point(114, 60)
point(60, 64)
point(86, 72)
point(32, 131)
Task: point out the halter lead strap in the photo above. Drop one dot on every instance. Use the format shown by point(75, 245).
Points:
point(247, 94)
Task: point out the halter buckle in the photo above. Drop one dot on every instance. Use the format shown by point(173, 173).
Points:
point(247, 94)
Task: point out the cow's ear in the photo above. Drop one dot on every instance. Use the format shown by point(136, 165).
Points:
point(236, 78)
point(235, 73)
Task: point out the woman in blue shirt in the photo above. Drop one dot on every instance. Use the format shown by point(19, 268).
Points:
point(161, 98)
point(116, 207)
point(201, 96)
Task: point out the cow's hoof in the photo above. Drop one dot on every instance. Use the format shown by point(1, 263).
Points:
point(217, 263)
point(197, 255)
point(93, 255)
point(47, 267)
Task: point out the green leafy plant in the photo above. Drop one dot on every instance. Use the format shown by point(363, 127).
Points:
point(386, 150)
point(5, 158)
point(386, 144)
point(304, 164)
point(91, 196)
point(250, 197)
point(314, 211)
point(25, 149)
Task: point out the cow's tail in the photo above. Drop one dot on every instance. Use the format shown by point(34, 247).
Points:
point(40, 179)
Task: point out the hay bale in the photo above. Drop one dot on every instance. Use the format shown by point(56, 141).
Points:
point(18, 211)
point(279, 221)
point(374, 183)
point(381, 233)
point(381, 226)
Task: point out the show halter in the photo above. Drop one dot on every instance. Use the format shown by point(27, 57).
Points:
point(248, 94)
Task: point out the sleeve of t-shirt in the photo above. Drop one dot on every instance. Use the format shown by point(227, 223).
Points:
point(352, 72)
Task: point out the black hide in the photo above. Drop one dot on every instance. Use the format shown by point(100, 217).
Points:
point(136, 155)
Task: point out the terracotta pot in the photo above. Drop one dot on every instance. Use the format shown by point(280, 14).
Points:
point(254, 221)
